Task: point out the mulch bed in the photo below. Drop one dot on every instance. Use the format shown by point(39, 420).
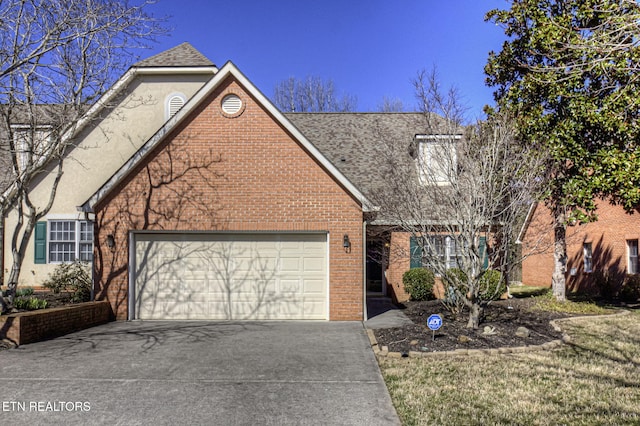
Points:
point(504, 317)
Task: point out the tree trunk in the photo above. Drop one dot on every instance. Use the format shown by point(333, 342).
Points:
point(18, 250)
point(475, 315)
point(12, 282)
point(4, 307)
point(558, 280)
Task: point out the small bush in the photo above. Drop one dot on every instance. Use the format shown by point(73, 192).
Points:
point(24, 292)
point(30, 304)
point(492, 286)
point(456, 278)
point(418, 282)
point(631, 289)
point(73, 277)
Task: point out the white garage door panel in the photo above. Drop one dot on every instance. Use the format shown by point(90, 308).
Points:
point(230, 276)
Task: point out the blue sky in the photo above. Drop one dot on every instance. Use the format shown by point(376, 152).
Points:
point(370, 48)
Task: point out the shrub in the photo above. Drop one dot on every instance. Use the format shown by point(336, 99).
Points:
point(631, 289)
point(418, 282)
point(492, 286)
point(456, 278)
point(73, 277)
point(30, 304)
point(24, 292)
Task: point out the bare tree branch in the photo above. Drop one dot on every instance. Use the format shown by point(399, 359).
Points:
point(56, 59)
point(460, 187)
point(311, 95)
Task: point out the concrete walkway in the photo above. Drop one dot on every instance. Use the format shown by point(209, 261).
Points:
point(384, 314)
point(167, 373)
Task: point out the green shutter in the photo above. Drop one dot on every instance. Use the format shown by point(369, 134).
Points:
point(483, 252)
point(416, 253)
point(40, 243)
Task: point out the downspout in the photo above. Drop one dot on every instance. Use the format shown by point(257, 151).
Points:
point(365, 314)
point(91, 217)
point(131, 290)
point(1, 250)
point(383, 266)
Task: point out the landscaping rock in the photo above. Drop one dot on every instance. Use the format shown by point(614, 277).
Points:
point(464, 339)
point(489, 331)
point(523, 332)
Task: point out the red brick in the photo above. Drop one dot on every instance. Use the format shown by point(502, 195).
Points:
point(251, 176)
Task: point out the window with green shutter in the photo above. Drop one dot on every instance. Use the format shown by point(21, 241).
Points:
point(40, 243)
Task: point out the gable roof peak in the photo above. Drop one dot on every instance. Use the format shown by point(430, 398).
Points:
point(182, 55)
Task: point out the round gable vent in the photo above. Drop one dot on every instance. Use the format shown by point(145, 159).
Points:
point(231, 105)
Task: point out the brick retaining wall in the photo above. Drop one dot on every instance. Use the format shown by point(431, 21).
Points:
point(34, 326)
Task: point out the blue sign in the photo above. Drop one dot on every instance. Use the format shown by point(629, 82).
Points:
point(434, 322)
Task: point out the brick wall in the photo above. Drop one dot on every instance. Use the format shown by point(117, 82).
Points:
point(216, 173)
point(399, 263)
point(608, 237)
point(29, 327)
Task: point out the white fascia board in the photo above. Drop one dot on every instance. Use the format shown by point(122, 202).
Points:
point(176, 70)
point(527, 222)
point(122, 82)
point(90, 114)
point(438, 137)
point(228, 69)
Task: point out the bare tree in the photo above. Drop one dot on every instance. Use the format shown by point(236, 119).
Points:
point(56, 59)
point(391, 105)
point(461, 193)
point(311, 95)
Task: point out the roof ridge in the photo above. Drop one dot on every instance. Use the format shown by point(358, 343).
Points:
point(181, 55)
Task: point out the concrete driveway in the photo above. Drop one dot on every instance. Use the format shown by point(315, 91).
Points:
point(218, 373)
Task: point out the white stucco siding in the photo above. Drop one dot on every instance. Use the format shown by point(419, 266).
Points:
point(103, 146)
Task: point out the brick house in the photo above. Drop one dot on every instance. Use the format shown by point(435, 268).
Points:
point(207, 202)
point(600, 254)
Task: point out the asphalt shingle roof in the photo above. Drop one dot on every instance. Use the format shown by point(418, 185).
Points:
point(353, 141)
point(183, 55)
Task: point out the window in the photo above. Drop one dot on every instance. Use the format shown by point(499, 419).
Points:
point(437, 158)
point(587, 254)
point(86, 241)
point(68, 240)
point(440, 251)
point(445, 252)
point(31, 143)
point(632, 257)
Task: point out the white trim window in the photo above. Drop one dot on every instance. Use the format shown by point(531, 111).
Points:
point(587, 254)
point(31, 143)
point(632, 256)
point(445, 252)
point(70, 240)
point(437, 159)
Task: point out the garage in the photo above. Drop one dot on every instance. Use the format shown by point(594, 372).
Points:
point(229, 276)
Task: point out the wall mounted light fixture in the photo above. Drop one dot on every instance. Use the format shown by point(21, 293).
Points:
point(111, 241)
point(346, 244)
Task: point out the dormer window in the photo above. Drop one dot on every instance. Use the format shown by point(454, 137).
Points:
point(31, 143)
point(437, 158)
point(174, 102)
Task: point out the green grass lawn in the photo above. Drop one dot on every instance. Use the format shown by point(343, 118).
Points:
point(595, 380)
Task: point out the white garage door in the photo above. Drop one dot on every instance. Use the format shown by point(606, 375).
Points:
point(230, 276)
